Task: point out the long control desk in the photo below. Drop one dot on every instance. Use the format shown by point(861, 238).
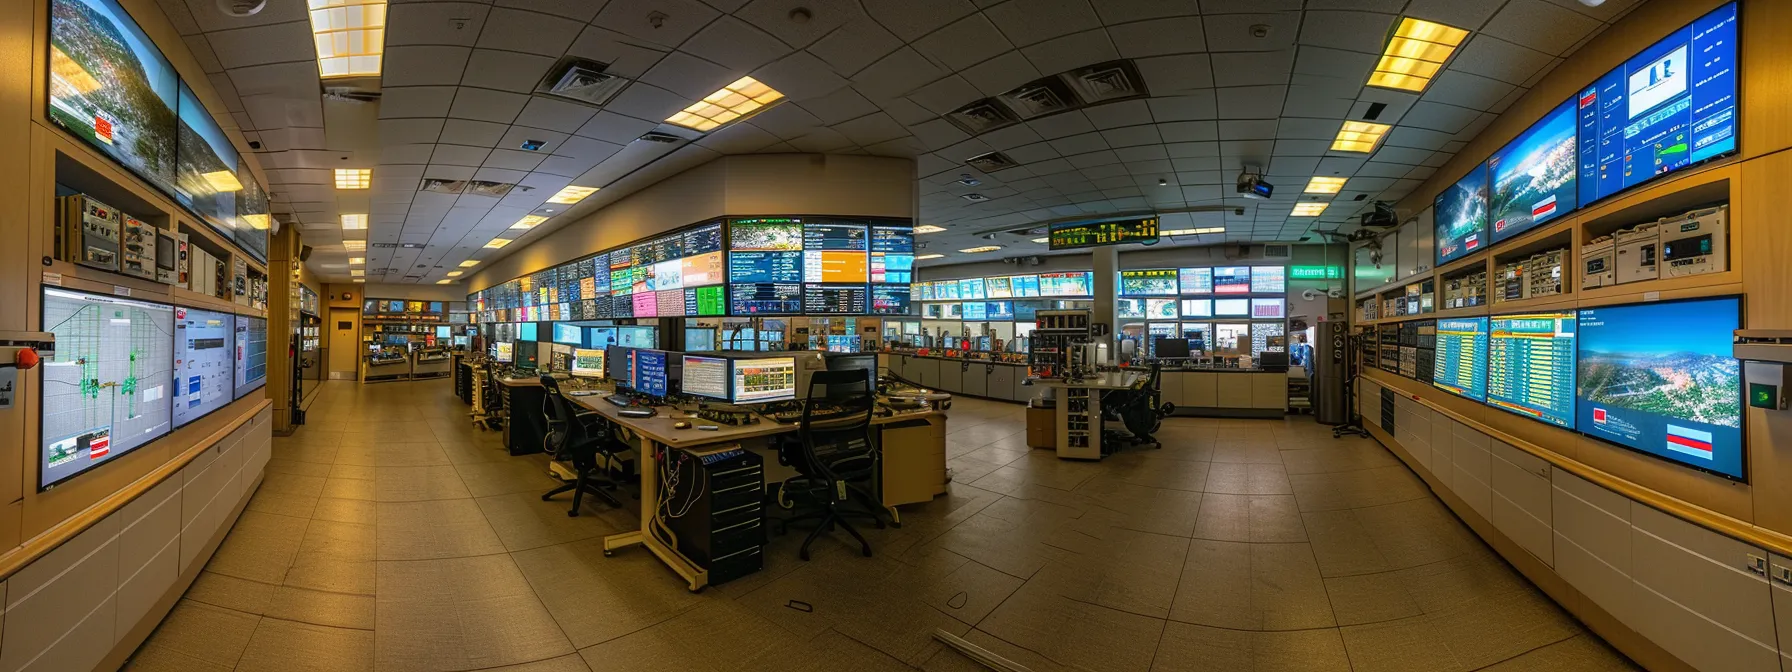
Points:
point(906, 466)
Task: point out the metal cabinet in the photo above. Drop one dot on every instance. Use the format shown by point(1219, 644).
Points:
point(1001, 382)
point(976, 379)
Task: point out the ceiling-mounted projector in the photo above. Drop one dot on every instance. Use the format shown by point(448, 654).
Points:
point(1251, 185)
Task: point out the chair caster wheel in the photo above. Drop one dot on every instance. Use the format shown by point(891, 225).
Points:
point(697, 591)
point(547, 498)
point(572, 514)
point(609, 553)
point(866, 552)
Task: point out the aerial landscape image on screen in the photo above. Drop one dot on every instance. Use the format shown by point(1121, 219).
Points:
point(206, 180)
point(105, 391)
point(1461, 216)
point(1534, 176)
point(1662, 378)
point(111, 87)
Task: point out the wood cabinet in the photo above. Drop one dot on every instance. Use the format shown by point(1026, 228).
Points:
point(1201, 389)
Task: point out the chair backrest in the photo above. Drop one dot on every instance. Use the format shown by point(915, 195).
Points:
point(829, 443)
point(564, 429)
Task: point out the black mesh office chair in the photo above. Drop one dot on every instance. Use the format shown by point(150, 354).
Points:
point(580, 439)
point(832, 455)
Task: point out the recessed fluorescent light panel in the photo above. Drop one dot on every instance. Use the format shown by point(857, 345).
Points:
point(1193, 232)
point(469, 263)
point(1415, 53)
point(742, 98)
point(925, 257)
point(929, 228)
point(354, 178)
point(1042, 241)
point(497, 243)
point(985, 248)
point(357, 272)
point(1359, 136)
point(444, 282)
point(572, 194)
point(350, 37)
point(360, 280)
point(1326, 185)
point(454, 274)
point(354, 245)
point(357, 222)
point(528, 222)
point(1308, 209)
point(357, 261)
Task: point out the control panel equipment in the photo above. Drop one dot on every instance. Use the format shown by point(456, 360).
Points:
point(1695, 243)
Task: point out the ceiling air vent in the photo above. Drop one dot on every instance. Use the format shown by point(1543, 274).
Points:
point(662, 138)
point(441, 186)
point(581, 80)
point(1104, 82)
point(1039, 98)
point(349, 94)
point(412, 246)
point(385, 246)
point(1278, 251)
point(487, 188)
point(980, 116)
point(989, 163)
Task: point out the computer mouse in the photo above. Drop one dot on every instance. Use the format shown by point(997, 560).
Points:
point(681, 425)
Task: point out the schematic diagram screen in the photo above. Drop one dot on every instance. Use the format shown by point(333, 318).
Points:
point(204, 378)
point(252, 354)
point(106, 389)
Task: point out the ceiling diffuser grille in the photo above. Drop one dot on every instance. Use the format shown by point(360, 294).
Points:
point(1090, 85)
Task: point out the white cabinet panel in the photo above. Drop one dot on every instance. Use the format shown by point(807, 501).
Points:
point(1521, 499)
point(976, 380)
point(1170, 383)
point(148, 552)
point(1002, 383)
point(951, 377)
point(1468, 452)
point(1443, 437)
point(68, 589)
point(1201, 390)
point(1592, 535)
point(1782, 605)
point(1697, 599)
point(929, 370)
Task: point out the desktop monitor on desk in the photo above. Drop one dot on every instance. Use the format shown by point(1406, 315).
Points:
point(650, 372)
point(528, 355)
point(588, 363)
point(560, 357)
point(618, 365)
point(760, 380)
point(707, 377)
point(1172, 348)
point(503, 352)
point(836, 362)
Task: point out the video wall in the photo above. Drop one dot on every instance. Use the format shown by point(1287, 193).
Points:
point(127, 372)
point(1656, 377)
point(741, 267)
point(111, 87)
point(1671, 106)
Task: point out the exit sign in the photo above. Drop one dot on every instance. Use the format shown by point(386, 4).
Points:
point(1315, 273)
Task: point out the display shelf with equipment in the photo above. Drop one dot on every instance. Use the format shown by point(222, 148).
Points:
point(1055, 335)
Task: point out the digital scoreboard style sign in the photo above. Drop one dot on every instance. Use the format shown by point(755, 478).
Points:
point(1079, 235)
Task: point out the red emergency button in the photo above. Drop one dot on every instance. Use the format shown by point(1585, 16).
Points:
point(27, 358)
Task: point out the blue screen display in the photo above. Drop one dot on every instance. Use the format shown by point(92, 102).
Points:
point(976, 310)
point(1460, 367)
point(1001, 310)
point(1533, 176)
point(1530, 366)
point(890, 299)
point(765, 267)
point(648, 372)
point(1670, 106)
point(525, 331)
point(1661, 378)
point(1460, 216)
point(568, 334)
point(1026, 286)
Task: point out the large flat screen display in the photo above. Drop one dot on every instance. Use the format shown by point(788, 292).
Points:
point(1668, 107)
point(569, 334)
point(1026, 286)
point(1196, 280)
point(206, 179)
point(835, 299)
point(1148, 282)
point(892, 254)
point(835, 253)
point(1460, 217)
point(972, 288)
point(1065, 284)
point(204, 362)
point(1269, 279)
point(1661, 378)
point(111, 87)
point(251, 354)
point(252, 215)
point(1530, 366)
point(890, 299)
point(106, 389)
point(1460, 367)
point(1534, 176)
point(762, 380)
point(1001, 287)
point(705, 377)
point(765, 298)
point(1232, 280)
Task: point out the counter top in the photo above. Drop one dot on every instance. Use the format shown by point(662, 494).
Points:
point(659, 427)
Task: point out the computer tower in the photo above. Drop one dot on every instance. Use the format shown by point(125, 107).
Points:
point(1331, 357)
point(720, 526)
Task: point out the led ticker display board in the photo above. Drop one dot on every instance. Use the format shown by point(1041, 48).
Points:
point(1530, 366)
point(1461, 357)
point(1077, 235)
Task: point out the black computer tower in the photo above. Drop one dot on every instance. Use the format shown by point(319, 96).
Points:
point(723, 528)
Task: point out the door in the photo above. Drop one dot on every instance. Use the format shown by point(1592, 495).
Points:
point(345, 344)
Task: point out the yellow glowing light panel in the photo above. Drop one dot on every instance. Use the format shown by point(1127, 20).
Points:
point(745, 96)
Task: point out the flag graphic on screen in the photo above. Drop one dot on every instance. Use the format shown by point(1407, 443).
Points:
point(1599, 415)
point(1543, 208)
point(1689, 441)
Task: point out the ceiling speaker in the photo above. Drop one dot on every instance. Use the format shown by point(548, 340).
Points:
point(304, 253)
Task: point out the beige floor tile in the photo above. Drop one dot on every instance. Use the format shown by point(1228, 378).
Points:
point(155, 658)
point(1407, 645)
point(1075, 633)
point(1370, 598)
point(345, 510)
point(567, 663)
point(280, 465)
point(355, 577)
point(337, 541)
point(1244, 586)
point(201, 631)
point(337, 610)
point(287, 646)
point(460, 614)
point(295, 506)
point(1194, 648)
point(1583, 653)
point(596, 599)
point(523, 521)
point(229, 592)
point(409, 455)
point(259, 547)
point(1341, 543)
point(447, 528)
point(514, 475)
point(416, 484)
point(350, 488)
point(355, 472)
point(733, 633)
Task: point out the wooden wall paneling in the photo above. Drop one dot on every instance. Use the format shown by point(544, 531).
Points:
point(1766, 78)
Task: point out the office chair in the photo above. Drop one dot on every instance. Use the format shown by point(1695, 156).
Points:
point(831, 455)
point(1140, 411)
point(579, 438)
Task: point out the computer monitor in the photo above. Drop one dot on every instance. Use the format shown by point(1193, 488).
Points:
point(600, 338)
point(528, 355)
point(588, 363)
point(444, 331)
point(1171, 348)
point(525, 331)
point(706, 376)
point(617, 363)
point(865, 361)
point(637, 337)
point(568, 334)
point(760, 380)
point(503, 352)
point(700, 339)
point(559, 357)
point(650, 374)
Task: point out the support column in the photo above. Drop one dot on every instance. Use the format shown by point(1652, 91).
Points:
point(1106, 262)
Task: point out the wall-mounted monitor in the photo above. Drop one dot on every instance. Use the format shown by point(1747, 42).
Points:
point(1076, 283)
point(892, 254)
point(1459, 215)
point(1661, 378)
point(1460, 364)
point(204, 362)
point(1672, 105)
point(972, 288)
point(1197, 307)
point(569, 334)
point(1129, 309)
point(1001, 287)
point(835, 253)
point(111, 87)
point(1269, 279)
point(251, 354)
point(647, 372)
point(890, 299)
point(1026, 286)
point(1530, 366)
point(206, 179)
point(1232, 307)
point(1196, 280)
point(1000, 310)
point(504, 352)
point(526, 331)
point(106, 391)
point(1268, 309)
point(1148, 282)
point(1232, 280)
point(1533, 177)
point(637, 336)
point(976, 310)
point(765, 298)
point(1161, 309)
point(835, 299)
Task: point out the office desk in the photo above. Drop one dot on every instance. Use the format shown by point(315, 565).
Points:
point(909, 466)
point(1078, 416)
point(528, 424)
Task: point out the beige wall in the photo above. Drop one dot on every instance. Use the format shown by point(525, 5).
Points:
point(759, 184)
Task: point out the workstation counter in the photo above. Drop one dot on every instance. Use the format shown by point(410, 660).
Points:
point(970, 377)
point(1216, 392)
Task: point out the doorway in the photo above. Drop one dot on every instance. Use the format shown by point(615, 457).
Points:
point(345, 344)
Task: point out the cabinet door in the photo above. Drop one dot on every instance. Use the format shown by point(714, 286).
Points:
point(1233, 390)
point(952, 376)
point(976, 379)
point(1443, 435)
point(1201, 390)
point(929, 371)
point(1781, 580)
point(1469, 455)
point(1001, 382)
point(1698, 596)
point(1592, 542)
point(1521, 499)
point(1171, 384)
point(1269, 391)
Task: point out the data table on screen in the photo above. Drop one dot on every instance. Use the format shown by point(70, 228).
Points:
point(1461, 364)
point(1530, 366)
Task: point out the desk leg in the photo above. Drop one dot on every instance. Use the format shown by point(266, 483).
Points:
point(697, 577)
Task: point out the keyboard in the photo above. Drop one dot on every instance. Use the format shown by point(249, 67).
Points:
point(823, 414)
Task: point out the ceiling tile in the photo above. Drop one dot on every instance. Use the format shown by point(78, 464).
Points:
point(1252, 69)
point(1115, 115)
point(1537, 24)
point(681, 19)
point(415, 101)
point(486, 105)
point(624, 54)
point(839, 106)
point(410, 131)
point(1498, 59)
point(787, 121)
point(645, 101)
point(1169, 75)
point(459, 155)
point(1027, 22)
point(415, 154)
point(871, 129)
point(689, 76)
point(423, 66)
point(855, 46)
point(434, 23)
point(1454, 87)
point(945, 95)
point(1180, 35)
point(1001, 74)
point(1439, 117)
point(557, 115)
point(517, 135)
point(912, 19)
point(737, 45)
point(578, 10)
point(1234, 32)
point(801, 76)
point(1195, 106)
point(964, 43)
point(897, 74)
point(1251, 102)
point(472, 133)
point(1072, 51)
point(528, 32)
point(1349, 31)
point(505, 70)
point(773, 16)
point(1131, 136)
point(263, 45)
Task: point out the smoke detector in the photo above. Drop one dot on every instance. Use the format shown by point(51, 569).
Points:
point(241, 8)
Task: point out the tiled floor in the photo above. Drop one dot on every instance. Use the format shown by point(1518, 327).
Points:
point(391, 535)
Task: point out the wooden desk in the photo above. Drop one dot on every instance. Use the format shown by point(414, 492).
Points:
point(657, 435)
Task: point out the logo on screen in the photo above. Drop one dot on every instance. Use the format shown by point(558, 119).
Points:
point(1599, 415)
point(1688, 441)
